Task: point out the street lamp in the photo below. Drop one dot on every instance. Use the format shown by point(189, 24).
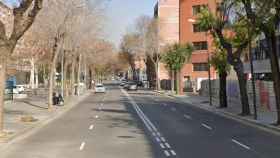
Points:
point(209, 66)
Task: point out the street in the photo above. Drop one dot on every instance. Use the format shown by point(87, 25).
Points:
point(142, 124)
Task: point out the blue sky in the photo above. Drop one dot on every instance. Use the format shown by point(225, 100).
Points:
point(121, 15)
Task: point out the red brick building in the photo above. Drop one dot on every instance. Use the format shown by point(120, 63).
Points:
point(177, 23)
point(196, 69)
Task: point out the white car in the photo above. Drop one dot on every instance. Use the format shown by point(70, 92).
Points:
point(99, 88)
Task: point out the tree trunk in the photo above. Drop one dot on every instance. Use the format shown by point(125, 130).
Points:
point(2, 92)
point(172, 81)
point(178, 74)
point(157, 77)
point(51, 79)
point(271, 39)
point(239, 69)
point(32, 74)
point(65, 87)
point(223, 89)
point(79, 75)
point(73, 78)
point(90, 79)
point(36, 77)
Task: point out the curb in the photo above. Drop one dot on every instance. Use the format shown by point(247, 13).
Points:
point(40, 124)
point(246, 121)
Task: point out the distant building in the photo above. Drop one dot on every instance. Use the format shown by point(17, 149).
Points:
point(177, 23)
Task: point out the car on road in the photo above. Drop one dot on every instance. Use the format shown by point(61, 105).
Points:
point(99, 88)
point(123, 83)
point(131, 86)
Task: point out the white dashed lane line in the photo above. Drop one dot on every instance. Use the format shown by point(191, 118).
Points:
point(207, 126)
point(91, 127)
point(82, 146)
point(166, 153)
point(173, 152)
point(240, 144)
point(162, 146)
point(188, 117)
point(167, 145)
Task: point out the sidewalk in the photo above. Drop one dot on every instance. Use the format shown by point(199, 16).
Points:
point(36, 107)
point(265, 119)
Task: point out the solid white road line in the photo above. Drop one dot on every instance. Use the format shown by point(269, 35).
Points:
point(173, 152)
point(163, 139)
point(162, 146)
point(240, 144)
point(82, 146)
point(188, 117)
point(90, 127)
point(166, 153)
point(206, 126)
point(167, 145)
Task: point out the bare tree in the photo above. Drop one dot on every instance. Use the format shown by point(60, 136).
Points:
point(23, 17)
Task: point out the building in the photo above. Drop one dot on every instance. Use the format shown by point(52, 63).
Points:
point(197, 68)
point(167, 12)
point(261, 61)
point(177, 23)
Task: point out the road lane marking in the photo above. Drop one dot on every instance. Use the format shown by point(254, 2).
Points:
point(163, 139)
point(91, 127)
point(158, 140)
point(206, 126)
point(96, 116)
point(166, 153)
point(154, 131)
point(82, 146)
point(158, 134)
point(188, 117)
point(167, 145)
point(241, 144)
point(173, 152)
point(162, 146)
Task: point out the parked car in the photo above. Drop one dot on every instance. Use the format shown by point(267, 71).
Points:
point(131, 86)
point(123, 83)
point(99, 88)
point(20, 88)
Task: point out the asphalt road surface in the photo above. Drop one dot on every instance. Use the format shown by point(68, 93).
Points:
point(143, 125)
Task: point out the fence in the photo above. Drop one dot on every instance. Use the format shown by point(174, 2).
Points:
point(265, 97)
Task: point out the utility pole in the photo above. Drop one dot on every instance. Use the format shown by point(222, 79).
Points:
point(209, 80)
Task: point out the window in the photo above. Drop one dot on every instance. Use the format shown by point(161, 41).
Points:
point(200, 45)
point(198, 8)
point(200, 67)
point(196, 28)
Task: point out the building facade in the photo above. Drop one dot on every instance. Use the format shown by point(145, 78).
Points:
point(167, 12)
point(177, 23)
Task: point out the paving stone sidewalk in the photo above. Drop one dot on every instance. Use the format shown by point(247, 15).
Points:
point(36, 107)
